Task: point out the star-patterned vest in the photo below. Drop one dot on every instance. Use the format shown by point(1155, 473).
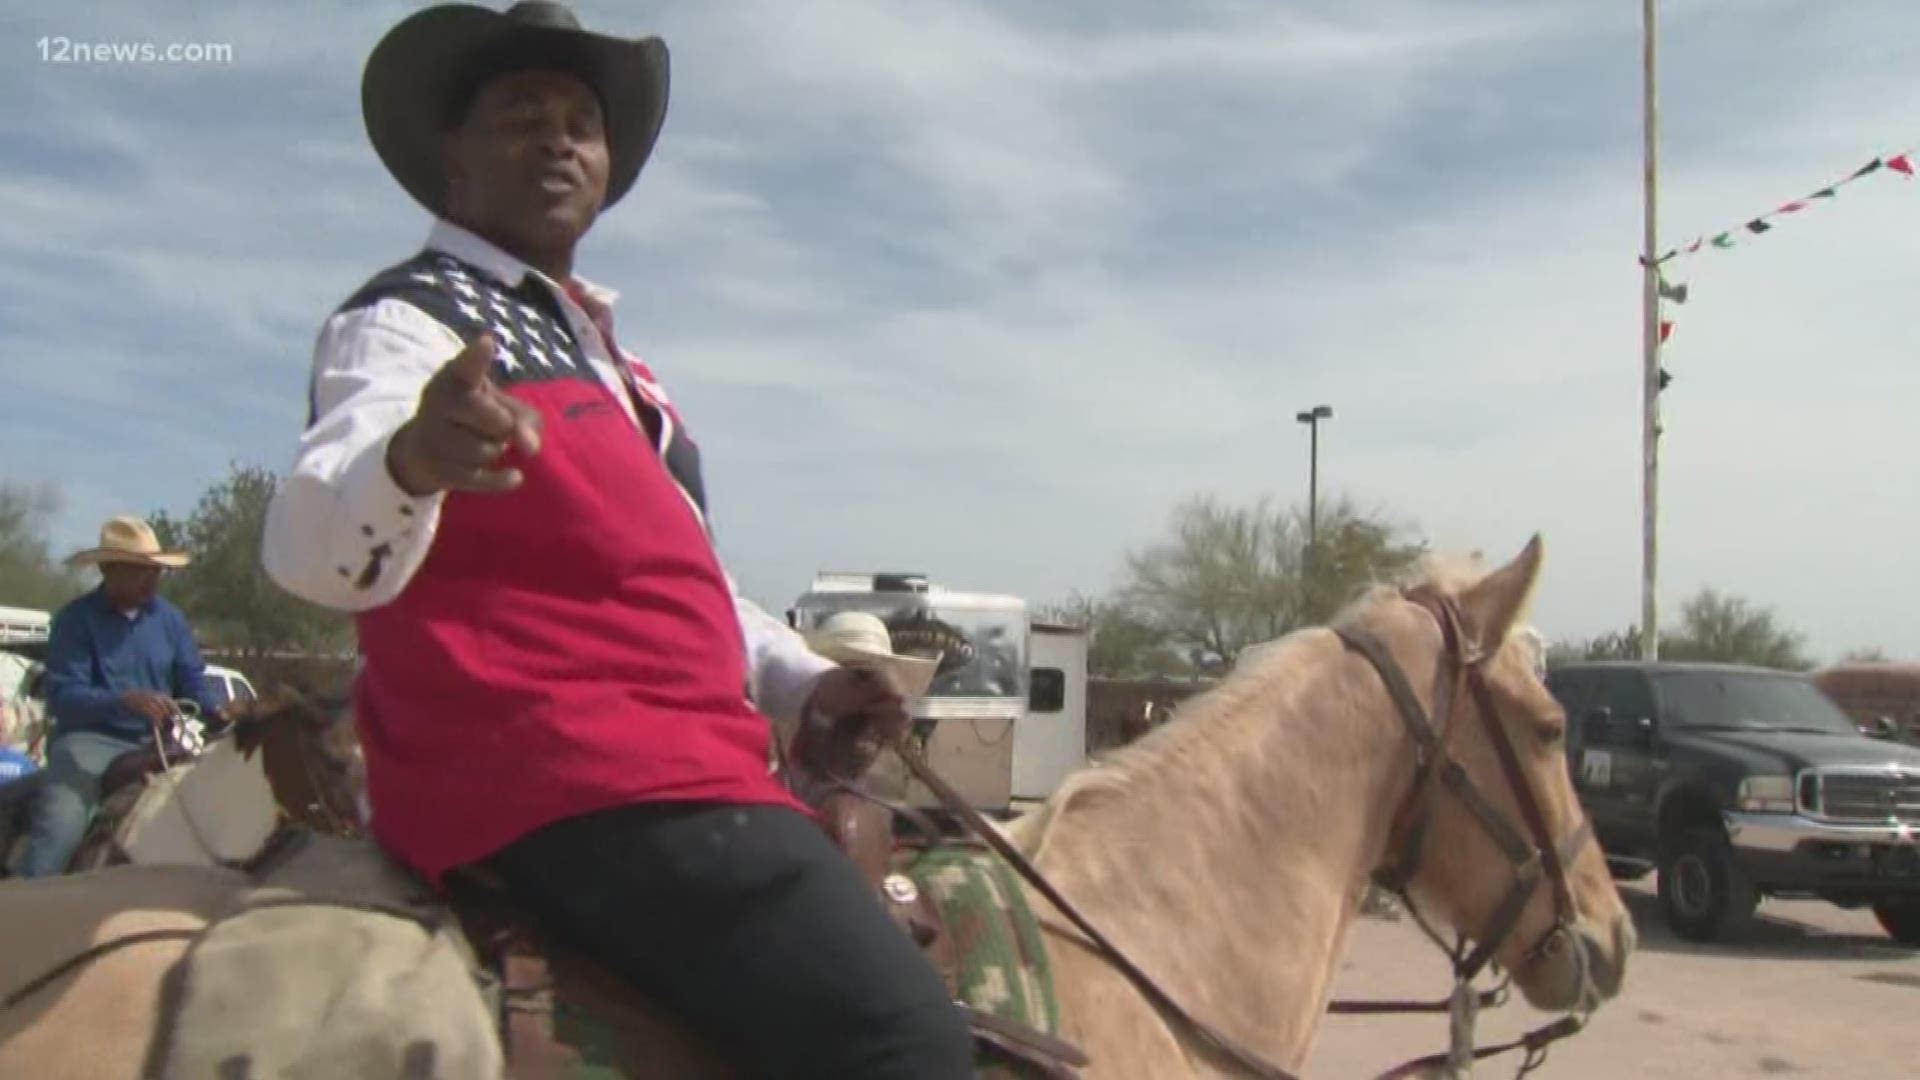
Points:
point(568, 646)
point(532, 343)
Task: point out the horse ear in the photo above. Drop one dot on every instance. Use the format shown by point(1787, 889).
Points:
point(1497, 602)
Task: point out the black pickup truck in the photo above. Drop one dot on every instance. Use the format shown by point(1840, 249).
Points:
point(1739, 782)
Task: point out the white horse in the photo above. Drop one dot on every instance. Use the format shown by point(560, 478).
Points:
point(212, 808)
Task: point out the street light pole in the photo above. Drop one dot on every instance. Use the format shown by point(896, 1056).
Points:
point(1312, 418)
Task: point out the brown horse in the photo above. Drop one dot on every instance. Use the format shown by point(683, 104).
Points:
point(1224, 855)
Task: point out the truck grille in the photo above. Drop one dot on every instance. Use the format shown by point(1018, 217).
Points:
point(1876, 795)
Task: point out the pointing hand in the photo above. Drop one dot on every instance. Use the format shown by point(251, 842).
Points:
point(463, 425)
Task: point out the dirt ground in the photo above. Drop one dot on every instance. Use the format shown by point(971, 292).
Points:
point(1810, 992)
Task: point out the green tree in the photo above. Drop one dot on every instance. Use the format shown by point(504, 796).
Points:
point(29, 574)
point(1353, 551)
point(169, 530)
point(1121, 643)
point(1617, 645)
point(1871, 655)
point(1568, 649)
point(1734, 630)
point(1230, 577)
point(225, 591)
point(1715, 628)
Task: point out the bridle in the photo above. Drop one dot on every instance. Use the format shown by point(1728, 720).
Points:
point(1535, 855)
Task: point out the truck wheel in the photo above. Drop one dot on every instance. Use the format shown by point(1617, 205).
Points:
point(1900, 919)
point(1705, 895)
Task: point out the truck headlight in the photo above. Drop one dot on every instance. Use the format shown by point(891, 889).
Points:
point(1766, 795)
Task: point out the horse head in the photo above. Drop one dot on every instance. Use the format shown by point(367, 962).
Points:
point(311, 757)
point(1490, 834)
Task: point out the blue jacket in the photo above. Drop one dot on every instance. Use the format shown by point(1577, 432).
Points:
point(95, 654)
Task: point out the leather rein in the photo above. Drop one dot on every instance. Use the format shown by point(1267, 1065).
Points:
point(1542, 859)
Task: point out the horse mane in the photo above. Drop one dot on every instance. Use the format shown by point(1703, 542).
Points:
point(1263, 667)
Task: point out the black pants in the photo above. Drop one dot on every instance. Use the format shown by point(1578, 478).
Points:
point(750, 925)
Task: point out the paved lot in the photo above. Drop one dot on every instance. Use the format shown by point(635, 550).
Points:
point(1810, 992)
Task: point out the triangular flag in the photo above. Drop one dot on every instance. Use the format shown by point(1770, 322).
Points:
point(1724, 240)
point(1823, 193)
point(1871, 166)
point(1675, 293)
point(1666, 330)
point(1792, 207)
point(1695, 246)
point(1665, 378)
point(1758, 226)
point(1900, 164)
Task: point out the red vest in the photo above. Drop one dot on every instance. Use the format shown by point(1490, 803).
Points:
point(567, 647)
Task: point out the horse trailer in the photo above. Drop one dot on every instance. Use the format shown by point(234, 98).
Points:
point(23, 627)
point(1005, 716)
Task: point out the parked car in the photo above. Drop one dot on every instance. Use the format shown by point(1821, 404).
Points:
point(228, 685)
point(1736, 783)
point(20, 626)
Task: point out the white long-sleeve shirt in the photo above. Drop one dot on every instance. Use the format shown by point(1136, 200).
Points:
point(341, 533)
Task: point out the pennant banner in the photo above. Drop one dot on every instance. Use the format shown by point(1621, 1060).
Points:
point(1901, 162)
point(1676, 293)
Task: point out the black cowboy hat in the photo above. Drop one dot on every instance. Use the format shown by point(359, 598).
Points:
point(421, 77)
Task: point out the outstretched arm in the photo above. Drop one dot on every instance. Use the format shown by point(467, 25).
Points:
point(341, 532)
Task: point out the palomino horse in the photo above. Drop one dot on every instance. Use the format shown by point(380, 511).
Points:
point(1222, 858)
point(1229, 849)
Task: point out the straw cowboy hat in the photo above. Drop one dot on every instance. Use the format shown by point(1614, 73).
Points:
point(853, 638)
point(424, 72)
point(128, 539)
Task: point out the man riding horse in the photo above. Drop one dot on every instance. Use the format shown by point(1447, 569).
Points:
point(117, 659)
point(561, 686)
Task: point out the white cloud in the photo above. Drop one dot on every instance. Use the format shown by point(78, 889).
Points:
point(984, 289)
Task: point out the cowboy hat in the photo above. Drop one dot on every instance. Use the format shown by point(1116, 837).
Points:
point(422, 75)
point(853, 638)
point(127, 539)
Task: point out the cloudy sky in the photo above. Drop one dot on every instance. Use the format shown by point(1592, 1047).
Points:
point(983, 289)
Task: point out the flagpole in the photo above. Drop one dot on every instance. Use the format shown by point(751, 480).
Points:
point(1650, 367)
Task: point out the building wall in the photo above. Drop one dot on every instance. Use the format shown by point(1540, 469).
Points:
point(1867, 692)
point(1116, 707)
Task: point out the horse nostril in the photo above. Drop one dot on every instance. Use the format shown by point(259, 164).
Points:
point(1625, 940)
point(1607, 966)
